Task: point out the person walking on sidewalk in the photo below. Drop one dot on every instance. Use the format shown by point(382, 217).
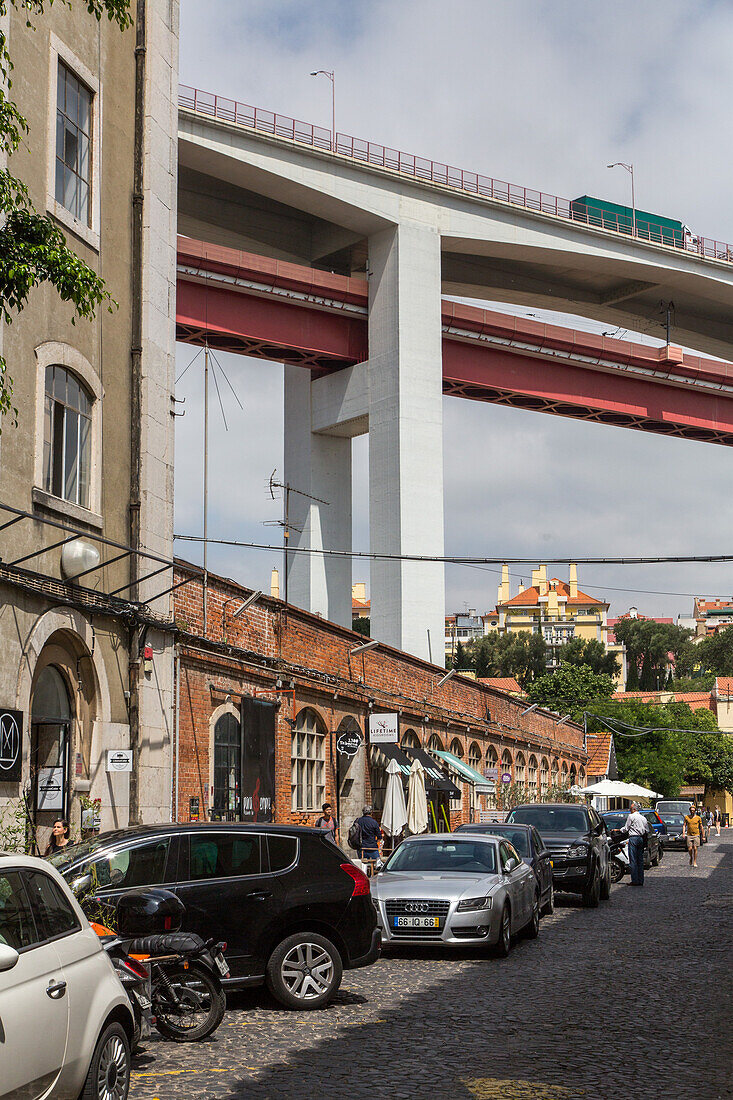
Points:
point(636, 828)
point(716, 819)
point(370, 835)
point(693, 827)
point(328, 822)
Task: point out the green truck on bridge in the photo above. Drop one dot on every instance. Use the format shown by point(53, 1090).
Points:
point(610, 215)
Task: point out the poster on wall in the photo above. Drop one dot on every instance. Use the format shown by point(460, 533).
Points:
point(258, 760)
point(11, 745)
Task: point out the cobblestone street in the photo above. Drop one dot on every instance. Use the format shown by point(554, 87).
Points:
point(599, 1006)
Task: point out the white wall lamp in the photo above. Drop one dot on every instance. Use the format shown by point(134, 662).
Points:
point(364, 646)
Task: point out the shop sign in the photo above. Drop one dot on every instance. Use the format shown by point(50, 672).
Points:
point(506, 777)
point(11, 745)
point(383, 729)
point(348, 743)
point(194, 812)
point(119, 760)
point(50, 789)
point(491, 773)
point(485, 788)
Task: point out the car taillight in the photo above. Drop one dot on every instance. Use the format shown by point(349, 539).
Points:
point(134, 967)
point(167, 923)
point(361, 882)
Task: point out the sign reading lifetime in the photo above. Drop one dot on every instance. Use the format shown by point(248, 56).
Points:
point(383, 729)
point(11, 745)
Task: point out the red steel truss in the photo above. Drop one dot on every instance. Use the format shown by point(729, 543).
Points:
point(251, 305)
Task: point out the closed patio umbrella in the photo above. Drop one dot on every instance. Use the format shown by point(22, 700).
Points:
point(394, 814)
point(417, 800)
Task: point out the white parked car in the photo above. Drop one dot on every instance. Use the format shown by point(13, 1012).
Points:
point(65, 1020)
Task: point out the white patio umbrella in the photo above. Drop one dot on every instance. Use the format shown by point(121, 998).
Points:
point(417, 800)
point(615, 788)
point(394, 814)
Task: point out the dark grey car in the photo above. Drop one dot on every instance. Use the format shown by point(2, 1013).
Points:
point(532, 849)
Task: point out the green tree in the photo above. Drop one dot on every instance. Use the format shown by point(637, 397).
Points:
point(33, 249)
point(714, 654)
point(655, 749)
point(362, 625)
point(649, 648)
point(521, 655)
point(571, 689)
point(592, 653)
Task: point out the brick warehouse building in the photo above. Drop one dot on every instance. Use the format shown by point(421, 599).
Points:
point(262, 698)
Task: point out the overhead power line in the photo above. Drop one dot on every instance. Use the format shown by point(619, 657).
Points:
point(456, 559)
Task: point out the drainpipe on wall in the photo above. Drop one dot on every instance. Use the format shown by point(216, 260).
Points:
point(136, 351)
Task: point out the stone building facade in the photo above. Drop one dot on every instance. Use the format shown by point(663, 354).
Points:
point(308, 681)
point(86, 477)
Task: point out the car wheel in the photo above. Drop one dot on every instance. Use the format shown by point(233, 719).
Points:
point(504, 943)
point(532, 927)
point(592, 894)
point(655, 859)
point(605, 891)
point(617, 870)
point(304, 971)
point(661, 853)
point(109, 1074)
point(549, 907)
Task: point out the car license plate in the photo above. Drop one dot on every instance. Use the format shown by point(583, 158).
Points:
point(221, 964)
point(416, 922)
point(142, 1000)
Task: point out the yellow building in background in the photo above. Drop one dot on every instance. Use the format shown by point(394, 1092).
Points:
point(556, 609)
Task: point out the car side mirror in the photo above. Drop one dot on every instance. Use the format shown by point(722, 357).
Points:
point(8, 957)
point(510, 864)
point(81, 885)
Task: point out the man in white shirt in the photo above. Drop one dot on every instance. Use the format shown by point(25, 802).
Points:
point(636, 828)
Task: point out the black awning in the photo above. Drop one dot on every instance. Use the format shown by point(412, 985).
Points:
point(435, 779)
point(394, 752)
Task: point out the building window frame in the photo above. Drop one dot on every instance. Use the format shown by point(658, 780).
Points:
point(308, 761)
point(53, 353)
point(60, 52)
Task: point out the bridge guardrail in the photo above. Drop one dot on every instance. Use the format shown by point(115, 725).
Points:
point(432, 171)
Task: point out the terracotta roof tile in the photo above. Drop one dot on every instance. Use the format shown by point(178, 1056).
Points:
point(503, 683)
point(531, 596)
point(599, 752)
point(724, 685)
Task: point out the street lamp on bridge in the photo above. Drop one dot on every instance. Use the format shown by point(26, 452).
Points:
point(630, 169)
point(330, 73)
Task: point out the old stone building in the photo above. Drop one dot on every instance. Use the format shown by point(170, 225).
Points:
point(86, 477)
point(264, 696)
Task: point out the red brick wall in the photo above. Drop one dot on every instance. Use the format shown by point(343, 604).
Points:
point(271, 641)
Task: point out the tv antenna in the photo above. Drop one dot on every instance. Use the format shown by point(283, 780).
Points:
point(286, 489)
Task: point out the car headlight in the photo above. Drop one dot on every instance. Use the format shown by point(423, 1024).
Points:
point(473, 903)
point(576, 850)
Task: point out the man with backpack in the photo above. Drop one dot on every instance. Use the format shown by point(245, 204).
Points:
point(365, 836)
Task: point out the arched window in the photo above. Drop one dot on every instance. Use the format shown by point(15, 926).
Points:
point(67, 437)
point(506, 762)
point(573, 775)
point(51, 715)
point(50, 697)
point(474, 755)
point(519, 770)
point(308, 762)
point(227, 767)
point(554, 773)
point(410, 740)
point(581, 777)
point(532, 773)
point(435, 743)
point(492, 757)
point(456, 748)
point(564, 774)
point(544, 775)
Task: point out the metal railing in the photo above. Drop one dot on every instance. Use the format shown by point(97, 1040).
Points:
point(432, 171)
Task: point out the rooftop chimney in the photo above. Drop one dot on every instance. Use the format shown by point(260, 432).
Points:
point(504, 589)
point(573, 581)
point(542, 573)
point(275, 584)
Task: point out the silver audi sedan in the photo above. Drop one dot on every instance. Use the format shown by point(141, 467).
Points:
point(450, 888)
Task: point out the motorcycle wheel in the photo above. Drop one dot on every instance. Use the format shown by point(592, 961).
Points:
point(617, 870)
point(202, 1003)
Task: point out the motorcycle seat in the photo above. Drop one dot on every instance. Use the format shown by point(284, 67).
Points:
point(167, 943)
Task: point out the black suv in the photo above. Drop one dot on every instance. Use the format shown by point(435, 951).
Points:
point(292, 908)
point(578, 842)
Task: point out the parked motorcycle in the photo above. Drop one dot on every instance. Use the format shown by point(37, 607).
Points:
point(134, 974)
point(185, 972)
point(618, 854)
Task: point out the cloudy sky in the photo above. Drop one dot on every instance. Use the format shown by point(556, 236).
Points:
point(536, 92)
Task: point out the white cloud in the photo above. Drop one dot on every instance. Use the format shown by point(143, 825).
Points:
point(538, 93)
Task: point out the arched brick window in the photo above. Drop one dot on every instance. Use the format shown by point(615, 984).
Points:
point(520, 775)
point(544, 775)
point(532, 773)
point(474, 755)
point(308, 761)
